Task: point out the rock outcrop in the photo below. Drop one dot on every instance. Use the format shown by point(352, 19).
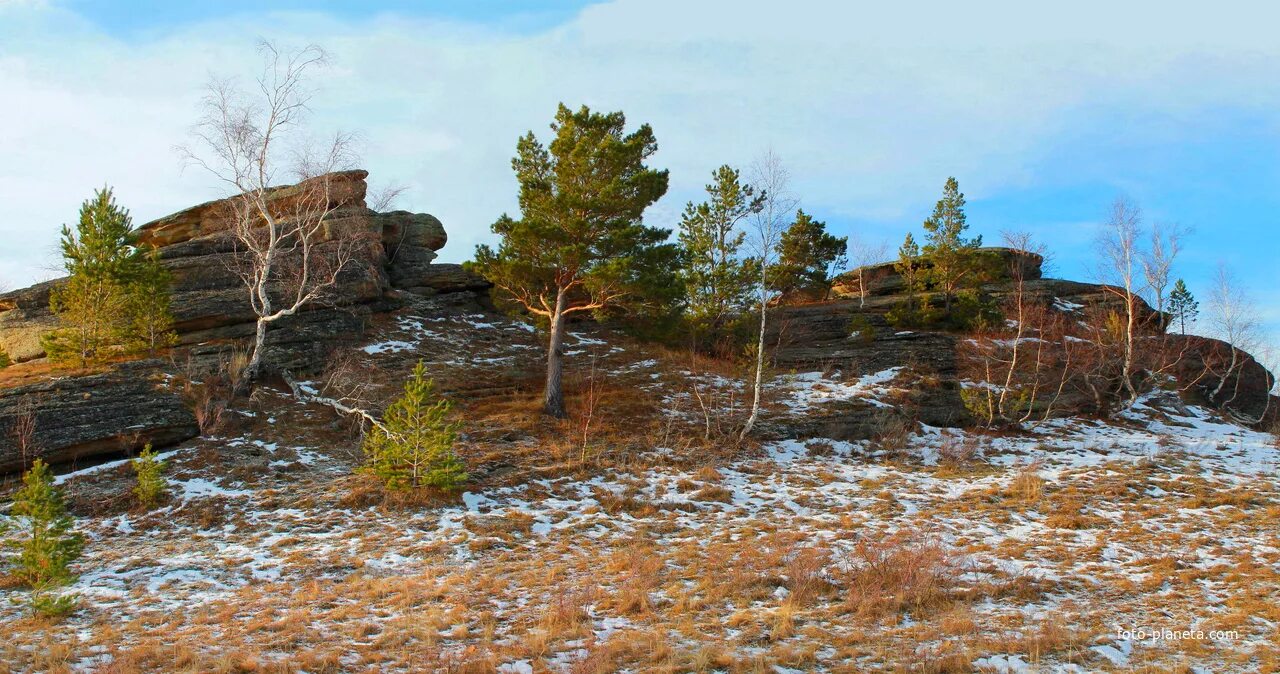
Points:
point(122, 409)
point(1242, 390)
point(853, 334)
point(393, 251)
point(73, 417)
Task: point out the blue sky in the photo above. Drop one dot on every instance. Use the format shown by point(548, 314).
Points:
point(134, 19)
point(1043, 114)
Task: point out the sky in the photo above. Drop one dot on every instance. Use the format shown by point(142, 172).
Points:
point(1044, 114)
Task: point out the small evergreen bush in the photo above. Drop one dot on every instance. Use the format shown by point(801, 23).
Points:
point(413, 446)
point(151, 485)
point(45, 541)
point(861, 330)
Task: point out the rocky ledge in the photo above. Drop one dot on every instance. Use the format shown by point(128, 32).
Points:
point(124, 408)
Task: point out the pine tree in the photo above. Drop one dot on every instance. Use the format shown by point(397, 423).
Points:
point(4, 359)
point(149, 470)
point(116, 292)
point(953, 262)
point(908, 267)
point(718, 281)
point(148, 326)
point(45, 540)
point(580, 244)
point(807, 257)
point(1183, 305)
point(413, 446)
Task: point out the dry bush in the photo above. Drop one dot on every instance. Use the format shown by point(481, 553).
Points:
point(890, 575)
point(1027, 486)
point(566, 611)
point(207, 389)
point(891, 432)
point(640, 569)
point(959, 452)
point(804, 571)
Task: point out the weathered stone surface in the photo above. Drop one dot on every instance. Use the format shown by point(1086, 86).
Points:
point(81, 416)
point(346, 188)
point(417, 230)
point(1202, 365)
point(884, 279)
point(446, 278)
point(209, 299)
point(24, 317)
point(821, 335)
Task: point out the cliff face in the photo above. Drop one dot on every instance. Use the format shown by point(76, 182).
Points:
point(819, 335)
point(126, 406)
point(394, 253)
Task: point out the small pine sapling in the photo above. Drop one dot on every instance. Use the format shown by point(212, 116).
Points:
point(45, 540)
point(151, 485)
point(413, 445)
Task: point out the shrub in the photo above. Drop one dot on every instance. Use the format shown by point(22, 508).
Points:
point(4, 359)
point(44, 540)
point(413, 445)
point(891, 432)
point(861, 330)
point(151, 485)
point(897, 574)
point(969, 311)
point(1028, 485)
point(47, 602)
point(958, 451)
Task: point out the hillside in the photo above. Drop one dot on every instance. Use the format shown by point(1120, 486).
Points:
point(869, 525)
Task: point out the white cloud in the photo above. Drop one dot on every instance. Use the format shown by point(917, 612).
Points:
point(872, 106)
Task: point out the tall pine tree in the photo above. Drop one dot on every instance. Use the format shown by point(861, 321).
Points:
point(908, 267)
point(953, 261)
point(116, 292)
point(717, 279)
point(1183, 306)
point(807, 257)
point(580, 244)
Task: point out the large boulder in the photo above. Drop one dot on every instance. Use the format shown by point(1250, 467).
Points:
point(77, 416)
point(1205, 369)
point(81, 415)
point(345, 188)
point(24, 317)
point(883, 278)
point(210, 301)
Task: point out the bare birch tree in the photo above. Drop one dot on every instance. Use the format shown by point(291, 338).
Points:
point(1158, 258)
point(1232, 319)
point(774, 182)
point(863, 254)
point(1120, 269)
point(284, 250)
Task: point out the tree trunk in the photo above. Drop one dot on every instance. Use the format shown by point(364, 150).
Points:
point(553, 398)
point(1127, 374)
point(254, 365)
point(755, 399)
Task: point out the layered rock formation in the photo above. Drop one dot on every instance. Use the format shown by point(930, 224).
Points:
point(393, 251)
point(73, 417)
point(113, 411)
point(821, 335)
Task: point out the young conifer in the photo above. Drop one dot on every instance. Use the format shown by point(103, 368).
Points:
point(1183, 306)
point(413, 446)
point(45, 541)
point(149, 470)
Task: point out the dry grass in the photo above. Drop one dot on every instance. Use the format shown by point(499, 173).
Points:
point(898, 573)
